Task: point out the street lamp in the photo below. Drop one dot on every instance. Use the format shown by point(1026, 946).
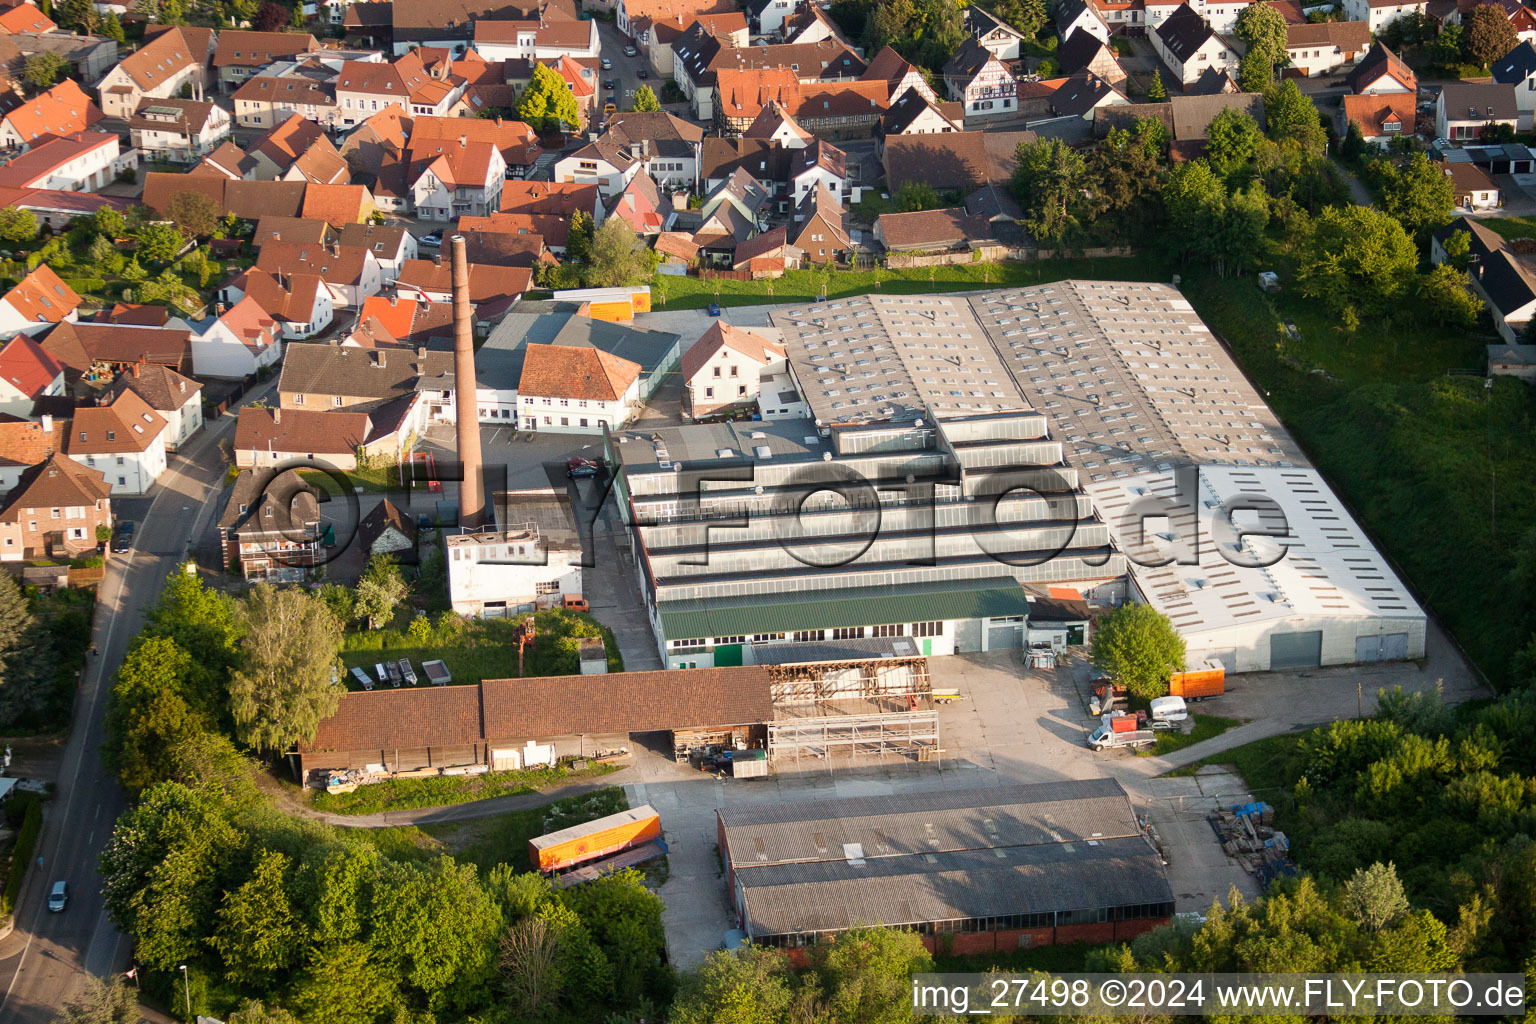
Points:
point(188, 986)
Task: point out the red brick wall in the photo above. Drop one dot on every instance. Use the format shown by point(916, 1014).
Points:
point(1007, 941)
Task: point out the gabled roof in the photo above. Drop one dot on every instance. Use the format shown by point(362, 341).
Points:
point(239, 48)
point(25, 18)
point(1184, 32)
point(1082, 93)
point(337, 205)
point(771, 120)
point(980, 22)
point(1507, 283)
point(743, 93)
point(41, 297)
point(291, 299)
point(770, 243)
point(338, 432)
point(384, 239)
point(1372, 112)
point(286, 90)
point(1080, 49)
point(333, 264)
point(51, 154)
point(161, 387)
point(62, 110)
point(515, 139)
point(968, 61)
point(1482, 242)
point(286, 142)
point(639, 206)
point(312, 231)
point(78, 345)
point(819, 154)
point(676, 244)
point(252, 324)
point(358, 373)
point(263, 504)
point(228, 159)
point(249, 200)
point(1517, 65)
point(953, 159)
point(907, 110)
point(57, 482)
point(820, 202)
point(546, 198)
point(25, 366)
point(128, 424)
point(1490, 101)
point(722, 335)
point(1348, 36)
point(188, 117)
point(937, 229)
point(486, 283)
point(26, 442)
point(1380, 61)
point(385, 515)
point(762, 159)
point(456, 164)
point(566, 371)
point(1192, 115)
point(412, 322)
point(159, 60)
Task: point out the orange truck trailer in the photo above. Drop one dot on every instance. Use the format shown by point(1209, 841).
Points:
point(1208, 680)
point(580, 843)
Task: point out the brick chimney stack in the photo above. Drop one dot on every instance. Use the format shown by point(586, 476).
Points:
point(471, 495)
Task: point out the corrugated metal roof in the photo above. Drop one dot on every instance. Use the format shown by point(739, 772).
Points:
point(920, 823)
point(830, 896)
point(850, 606)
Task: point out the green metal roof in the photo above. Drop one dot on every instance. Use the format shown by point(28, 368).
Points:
point(991, 596)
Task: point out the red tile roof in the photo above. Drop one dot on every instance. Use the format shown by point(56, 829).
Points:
point(26, 18)
point(41, 297)
point(252, 324)
point(515, 139)
point(78, 345)
point(57, 482)
point(337, 204)
point(486, 283)
point(26, 442)
point(27, 367)
point(51, 153)
point(160, 59)
point(566, 371)
point(62, 110)
point(245, 49)
point(127, 425)
point(723, 335)
point(300, 430)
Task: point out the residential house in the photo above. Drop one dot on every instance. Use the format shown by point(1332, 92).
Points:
point(302, 304)
point(1464, 110)
point(351, 273)
point(357, 379)
point(931, 230)
point(1083, 94)
point(492, 289)
point(542, 38)
point(915, 114)
point(80, 162)
point(338, 205)
point(241, 341)
point(28, 373)
point(541, 232)
point(1005, 42)
point(1080, 15)
point(666, 146)
point(26, 442)
point(1475, 190)
point(572, 390)
point(241, 54)
point(819, 165)
point(516, 142)
point(1189, 47)
point(386, 530)
point(974, 76)
point(698, 57)
point(743, 193)
point(412, 322)
point(293, 229)
point(718, 232)
point(1085, 53)
point(271, 526)
point(677, 250)
point(63, 110)
point(954, 160)
point(655, 38)
point(898, 74)
point(1192, 116)
point(381, 138)
point(775, 125)
point(1321, 48)
point(454, 179)
point(104, 349)
point(178, 131)
point(767, 17)
point(36, 303)
point(298, 150)
point(1517, 68)
point(89, 58)
point(767, 255)
point(24, 18)
point(552, 198)
point(820, 226)
point(157, 70)
point(268, 437)
point(1381, 71)
point(391, 245)
point(124, 440)
point(641, 207)
point(828, 109)
point(228, 161)
point(363, 89)
point(53, 511)
point(1381, 13)
point(812, 24)
point(725, 368)
point(629, 11)
point(604, 163)
point(178, 399)
point(265, 101)
point(1381, 117)
point(1508, 286)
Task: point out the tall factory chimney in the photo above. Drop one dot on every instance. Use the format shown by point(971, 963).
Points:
point(471, 494)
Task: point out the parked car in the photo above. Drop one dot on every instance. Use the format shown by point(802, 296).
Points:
point(577, 467)
point(363, 678)
point(407, 672)
point(122, 537)
point(610, 107)
point(630, 51)
point(58, 897)
point(642, 73)
point(431, 241)
point(607, 64)
point(608, 84)
point(714, 309)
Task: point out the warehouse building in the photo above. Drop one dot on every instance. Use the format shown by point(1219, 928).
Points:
point(1173, 443)
point(971, 871)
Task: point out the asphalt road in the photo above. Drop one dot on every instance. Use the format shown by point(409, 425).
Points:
point(45, 960)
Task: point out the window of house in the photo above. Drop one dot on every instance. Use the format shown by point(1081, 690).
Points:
point(547, 587)
point(927, 628)
point(717, 373)
point(336, 400)
point(809, 635)
point(848, 633)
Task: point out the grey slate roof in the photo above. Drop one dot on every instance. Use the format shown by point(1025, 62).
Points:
point(1184, 32)
point(1078, 50)
point(499, 362)
point(369, 374)
point(1487, 101)
point(1506, 282)
point(1517, 65)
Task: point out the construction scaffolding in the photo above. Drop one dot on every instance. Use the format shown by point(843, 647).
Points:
point(912, 734)
point(865, 679)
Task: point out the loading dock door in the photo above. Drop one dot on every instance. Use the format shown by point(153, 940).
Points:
point(727, 655)
point(1005, 633)
point(1391, 647)
point(1295, 650)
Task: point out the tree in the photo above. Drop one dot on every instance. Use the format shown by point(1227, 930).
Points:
point(435, 928)
point(194, 214)
point(749, 985)
point(1447, 296)
point(615, 259)
point(298, 20)
point(1195, 199)
point(1358, 258)
point(529, 951)
point(284, 688)
point(270, 17)
point(1374, 897)
point(868, 974)
point(1138, 647)
point(259, 931)
point(158, 242)
point(914, 196)
point(1262, 30)
point(926, 32)
point(26, 658)
point(1458, 248)
point(1487, 34)
point(1353, 146)
point(1126, 167)
point(1232, 139)
point(547, 101)
point(645, 99)
point(1292, 116)
point(17, 225)
point(1418, 194)
point(1157, 92)
point(343, 984)
point(255, 1012)
point(112, 28)
point(202, 622)
point(578, 239)
point(149, 714)
point(1254, 71)
point(1051, 181)
point(101, 1002)
point(1028, 16)
point(43, 70)
point(109, 222)
point(380, 590)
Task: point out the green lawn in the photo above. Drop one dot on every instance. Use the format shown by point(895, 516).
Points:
point(503, 839)
point(378, 480)
point(1263, 764)
point(442, 790)
point(468, 665)
point(1206, 727)
point(805, 285)
point(1511, 227)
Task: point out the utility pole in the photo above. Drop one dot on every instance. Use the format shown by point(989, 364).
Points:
point(188, 986)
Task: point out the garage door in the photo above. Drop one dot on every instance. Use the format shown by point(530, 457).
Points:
point(1005, 634)
point(1391, 647)
point(1296, 650)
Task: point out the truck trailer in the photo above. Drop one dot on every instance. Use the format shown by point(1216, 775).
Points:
point(581, 843)
point(1207, 680)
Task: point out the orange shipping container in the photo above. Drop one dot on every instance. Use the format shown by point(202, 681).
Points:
point(599, 838)
point(612, 311)
point(1207, 681)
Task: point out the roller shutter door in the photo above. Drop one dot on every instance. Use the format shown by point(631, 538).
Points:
point(1295, 650)
point(1390, 647)
point(1005, 634)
